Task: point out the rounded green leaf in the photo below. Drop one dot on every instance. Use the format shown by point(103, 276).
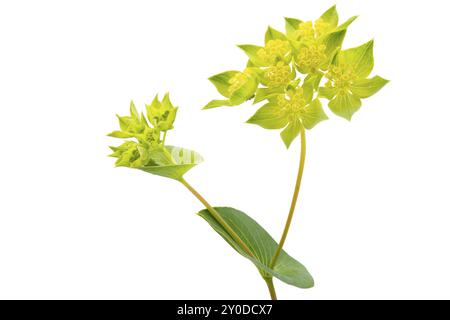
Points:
point(175, 162)
point(262, 246)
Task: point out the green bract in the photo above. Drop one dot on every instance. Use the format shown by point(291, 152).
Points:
point(295, 69)
point(147, 151)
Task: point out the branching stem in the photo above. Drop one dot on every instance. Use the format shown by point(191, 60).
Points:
point(218, 218)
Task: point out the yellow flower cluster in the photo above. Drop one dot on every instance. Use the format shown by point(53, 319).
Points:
point(130, 154)
point(312, 57)
point(237, 81)
point(292, 105)
point(341, 77)
point(277, 75)
point(306, 30)
point(320, 27)
point(273, 50)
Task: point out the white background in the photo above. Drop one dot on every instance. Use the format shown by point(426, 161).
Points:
point(373, 219)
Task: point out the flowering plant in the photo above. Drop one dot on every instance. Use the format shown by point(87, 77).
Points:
point(292, 73)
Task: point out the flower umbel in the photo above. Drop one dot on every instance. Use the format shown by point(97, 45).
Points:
point(293, 104)
point(274, 50)
point(348, 81)
point(340, 77)
point(311, 58)
point(297, 68)
point(278, 75)
point(290, 110)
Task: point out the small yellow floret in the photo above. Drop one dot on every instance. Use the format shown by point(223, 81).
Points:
point(237, 81)
point(311, 58)
point(273, 50)
point(341, 77)
point(292, 105)
point(277, 75)
point(306, 30)
point(321, 27)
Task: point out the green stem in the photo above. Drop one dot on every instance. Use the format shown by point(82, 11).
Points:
point(294, 198)
point(273, 294)
point(218, 218)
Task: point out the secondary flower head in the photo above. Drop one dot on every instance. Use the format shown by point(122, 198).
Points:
point(146, 149)
point(147, 140)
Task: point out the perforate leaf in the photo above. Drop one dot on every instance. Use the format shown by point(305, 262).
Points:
point(262, 246)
